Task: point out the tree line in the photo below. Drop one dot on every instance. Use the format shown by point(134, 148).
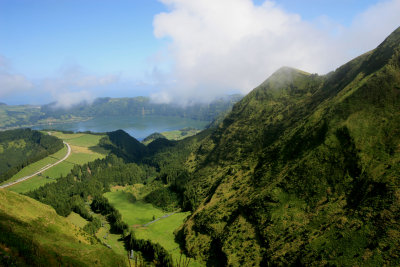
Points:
point(21, 147)
point(70, 193)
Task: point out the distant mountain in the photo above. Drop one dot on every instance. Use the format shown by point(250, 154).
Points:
point(304, 171)
point(25, 116)
point(142, 106)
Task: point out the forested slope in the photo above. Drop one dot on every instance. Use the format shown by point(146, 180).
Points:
point(304, 170)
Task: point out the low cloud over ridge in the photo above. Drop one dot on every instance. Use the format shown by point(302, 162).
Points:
point(226, 45)
point(73, 86)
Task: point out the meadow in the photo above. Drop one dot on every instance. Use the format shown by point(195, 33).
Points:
point(180, 134)
point(136, 213)
point(84, 148)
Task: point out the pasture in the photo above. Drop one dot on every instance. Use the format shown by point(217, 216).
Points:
point(136, 213)
point(84, 148)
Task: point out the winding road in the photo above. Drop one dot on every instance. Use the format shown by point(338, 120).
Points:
point(163, 217)
point(39, 171)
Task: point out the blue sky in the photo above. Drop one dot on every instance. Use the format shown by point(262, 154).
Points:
point(41, 36)
point(56, 49)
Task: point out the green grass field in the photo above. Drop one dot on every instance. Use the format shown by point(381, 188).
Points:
point(180, 134)
point(84, 148)
point(133, 213)
point(137, 213)
point(77, 220)
point(34, 167)
point(79, 139)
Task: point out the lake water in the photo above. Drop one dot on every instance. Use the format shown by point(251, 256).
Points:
point(137, 126)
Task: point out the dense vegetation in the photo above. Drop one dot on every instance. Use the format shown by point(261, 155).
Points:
point(18, 116)
point(303, 171)
point(32, 234)
point(152, 252)
point(19, 148)
point(91, 179)
point(100, 205)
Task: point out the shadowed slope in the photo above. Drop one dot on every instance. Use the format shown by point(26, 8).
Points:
point(304, 170)
point(32, 234)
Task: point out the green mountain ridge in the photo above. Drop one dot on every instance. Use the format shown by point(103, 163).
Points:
point(304, 170)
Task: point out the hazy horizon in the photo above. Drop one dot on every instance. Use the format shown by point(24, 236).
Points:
point(175, 50)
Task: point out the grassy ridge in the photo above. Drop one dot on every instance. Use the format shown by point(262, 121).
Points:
point(36, 235)
point(171, 135)
point(76, 219)
point(303, 171)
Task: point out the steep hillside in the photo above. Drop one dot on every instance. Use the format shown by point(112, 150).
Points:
point(123, 145)
point(32, 234)
point(304, 170)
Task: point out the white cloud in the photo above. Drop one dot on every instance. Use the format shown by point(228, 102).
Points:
point(73, 86)
point(67, 99)
point(11, 82)
point(227, 45)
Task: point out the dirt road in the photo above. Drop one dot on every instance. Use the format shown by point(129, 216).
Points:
point(39, 171)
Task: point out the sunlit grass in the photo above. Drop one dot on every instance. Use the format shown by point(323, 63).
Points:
point(137, 213)
point(84, 148)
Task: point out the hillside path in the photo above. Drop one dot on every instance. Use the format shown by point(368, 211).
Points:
point(163, 217)
point(39, 171)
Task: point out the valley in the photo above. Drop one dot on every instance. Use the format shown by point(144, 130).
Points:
point(147, 221)
point(303, 171)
